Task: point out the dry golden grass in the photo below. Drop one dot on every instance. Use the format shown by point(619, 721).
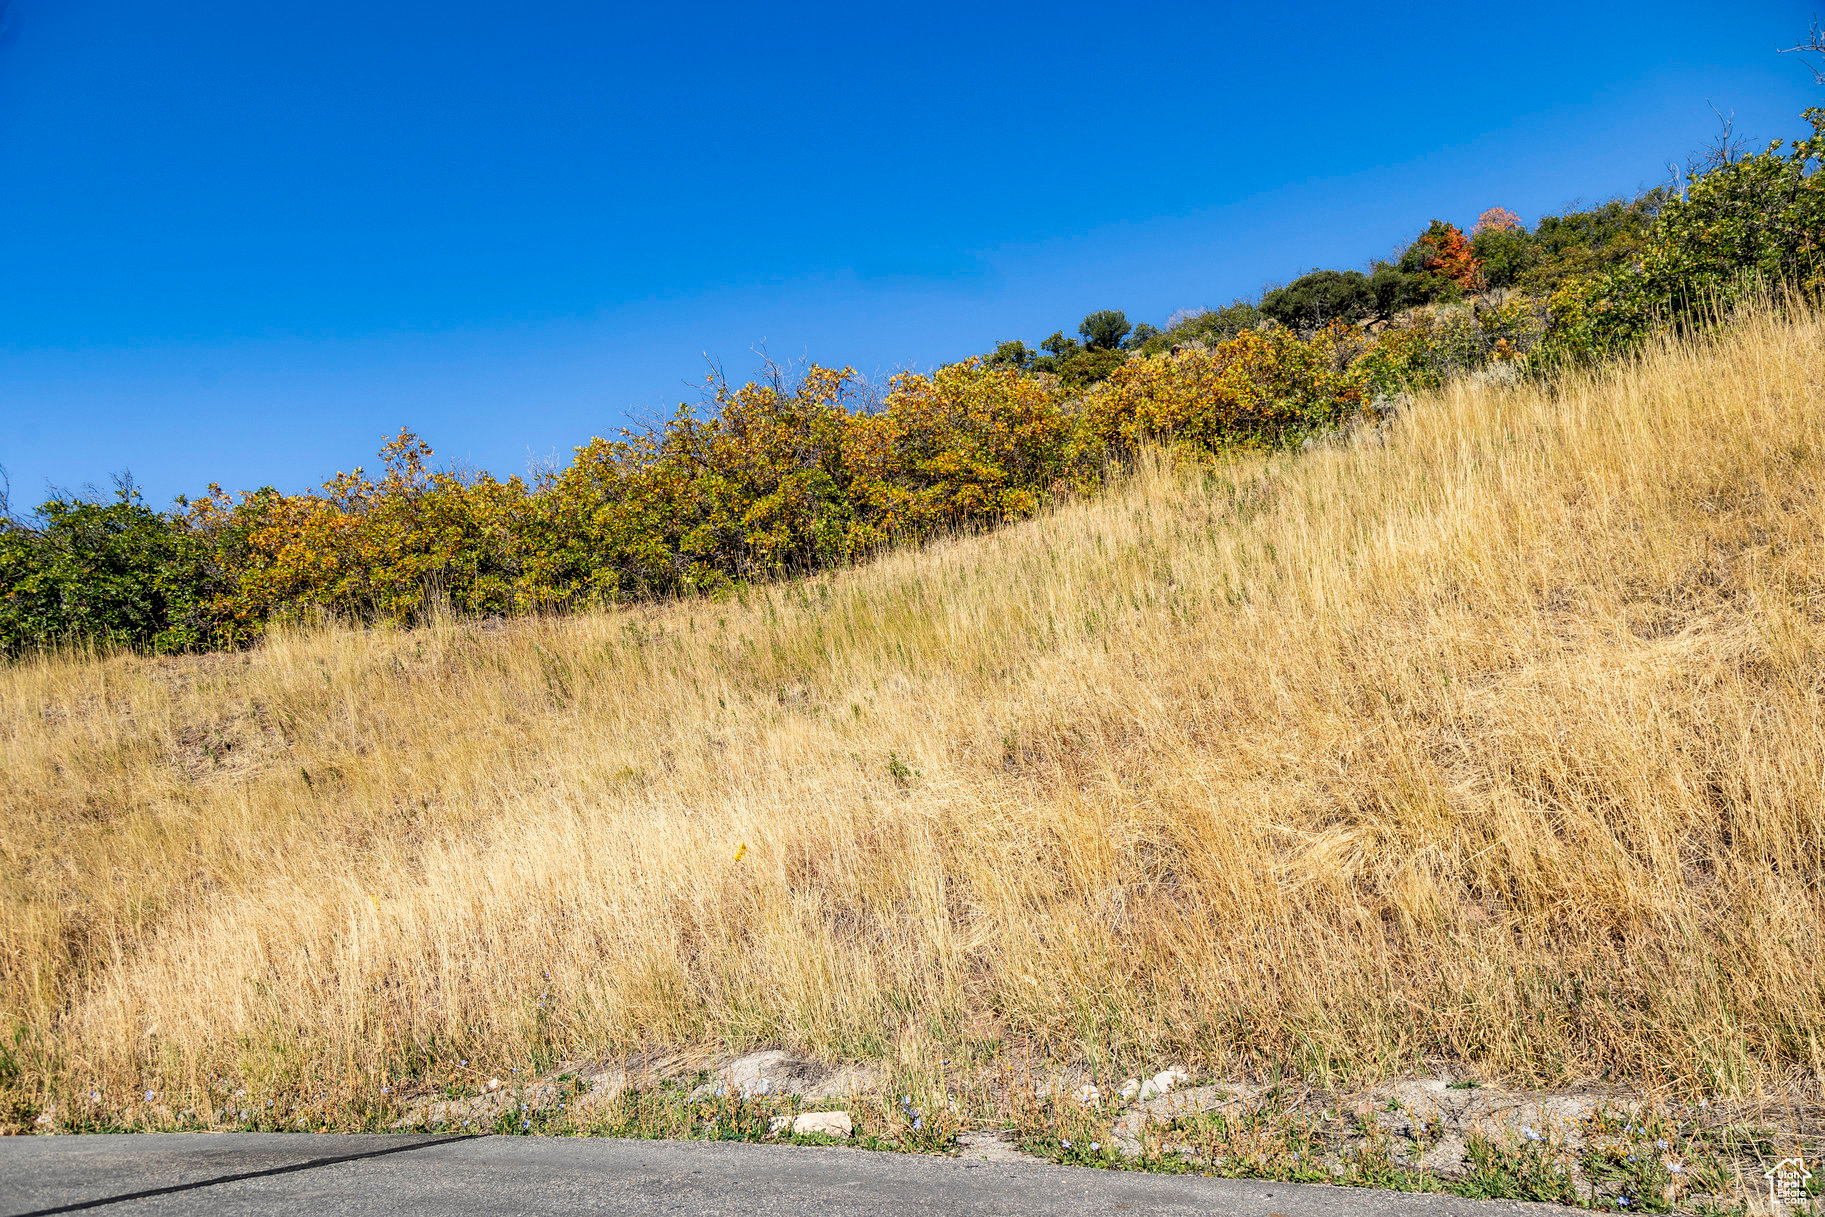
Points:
point(1501, 743)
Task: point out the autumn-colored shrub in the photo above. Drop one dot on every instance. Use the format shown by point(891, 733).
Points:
point(364, 550)
point(966, 444)
point(1257, 388)
point(1443, 252)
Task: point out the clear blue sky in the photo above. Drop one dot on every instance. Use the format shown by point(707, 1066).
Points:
point(241, 241)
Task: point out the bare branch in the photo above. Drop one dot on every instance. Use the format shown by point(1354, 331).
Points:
point(1814, 45)
point(1725, 148)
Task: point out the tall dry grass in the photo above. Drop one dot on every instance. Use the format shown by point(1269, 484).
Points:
point(1500, 742)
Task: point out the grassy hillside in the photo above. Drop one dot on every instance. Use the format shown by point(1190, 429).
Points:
point(1500, 742)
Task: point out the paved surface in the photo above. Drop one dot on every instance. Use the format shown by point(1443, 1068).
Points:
point(260, 1173)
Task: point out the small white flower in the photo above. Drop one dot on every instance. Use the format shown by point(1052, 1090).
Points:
point(1095, 1145)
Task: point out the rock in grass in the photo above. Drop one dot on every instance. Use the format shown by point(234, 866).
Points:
point(772, 1072)
point(1164, 1081)
point(829, 1123)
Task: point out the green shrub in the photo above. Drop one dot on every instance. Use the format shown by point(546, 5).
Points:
point(1433, 346)
point(1739, 228)
point(1393, 290)
point(1587, 242)
point(1506, 254)
point(1142, 335)
point(1012, 354)
point(1104, 329)
point(1313, 301)
point(112, 572)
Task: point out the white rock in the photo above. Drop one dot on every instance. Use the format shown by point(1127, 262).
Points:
point(1130, 1088)
point(494, 1083)
point(1088, 1095)
point(1166, 1079)
point(779, 1124)
point(830, 1123)
point(1163, 1082)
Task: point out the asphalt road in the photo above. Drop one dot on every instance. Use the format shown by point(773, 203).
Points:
point(235, 1173)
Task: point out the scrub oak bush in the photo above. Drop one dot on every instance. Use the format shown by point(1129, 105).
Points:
point(1432, 347)
point(1739, 229)
point(110, 572)
point(1258, 389)
point(967, 445)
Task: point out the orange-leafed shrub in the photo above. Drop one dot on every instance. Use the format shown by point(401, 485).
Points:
point(1445, 251)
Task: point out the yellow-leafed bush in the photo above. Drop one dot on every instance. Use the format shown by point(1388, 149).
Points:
point(1252, 390)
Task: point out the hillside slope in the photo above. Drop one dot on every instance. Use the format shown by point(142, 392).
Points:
point(1500, 742)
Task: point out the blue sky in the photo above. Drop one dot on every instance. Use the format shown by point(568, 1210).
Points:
point(240, 242)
